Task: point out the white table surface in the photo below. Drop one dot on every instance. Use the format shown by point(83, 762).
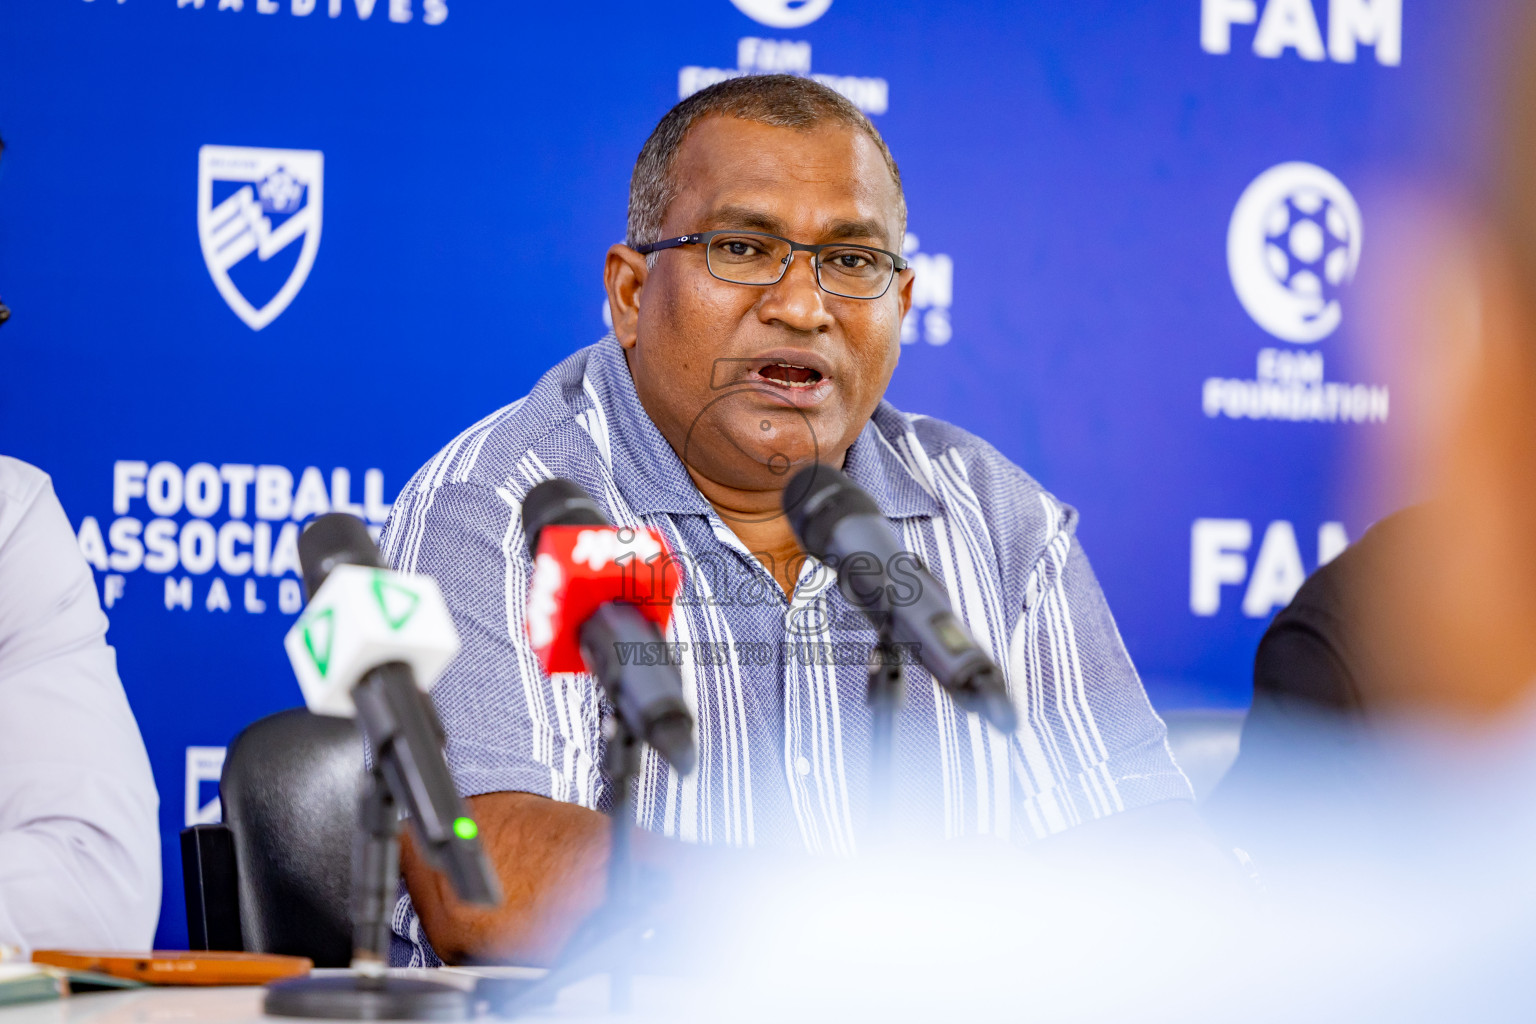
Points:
point(584, 1001)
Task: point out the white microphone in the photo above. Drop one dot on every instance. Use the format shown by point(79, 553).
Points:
point(369, 646)
point(363, 617)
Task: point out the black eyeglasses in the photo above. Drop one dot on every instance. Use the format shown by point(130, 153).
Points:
point(752, 257)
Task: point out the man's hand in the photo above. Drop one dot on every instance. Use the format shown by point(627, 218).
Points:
point(552, 860)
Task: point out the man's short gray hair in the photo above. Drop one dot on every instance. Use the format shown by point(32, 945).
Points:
point(783, 101)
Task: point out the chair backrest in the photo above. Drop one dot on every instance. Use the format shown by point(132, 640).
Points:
point(289, 791)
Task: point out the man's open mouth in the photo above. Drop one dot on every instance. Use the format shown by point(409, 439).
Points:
point(789, 375)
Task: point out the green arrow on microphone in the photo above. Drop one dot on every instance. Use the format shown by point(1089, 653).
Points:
point(319, 631)
point(396, 603)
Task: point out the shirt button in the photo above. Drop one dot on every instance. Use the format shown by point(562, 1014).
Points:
point(803, 766)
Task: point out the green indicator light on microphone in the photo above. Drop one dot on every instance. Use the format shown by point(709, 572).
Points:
point(465, 828)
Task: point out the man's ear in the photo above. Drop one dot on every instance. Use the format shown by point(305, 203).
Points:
point(624, 273)
point(904, 281)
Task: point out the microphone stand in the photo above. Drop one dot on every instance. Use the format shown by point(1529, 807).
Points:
point(610, 938)
point(887, 689)
point(621, 759)
point(401, 730)
point(368, 992)
point(375, 867)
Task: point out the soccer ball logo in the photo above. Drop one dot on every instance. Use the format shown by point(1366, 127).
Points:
point(280, 191)
point(1293, 242)
point(1308, 248)
point(783, 13)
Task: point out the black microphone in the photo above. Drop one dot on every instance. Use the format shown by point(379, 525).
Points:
point(331, 540)
point(402, 728)
point(648, 698)
point(839, 523)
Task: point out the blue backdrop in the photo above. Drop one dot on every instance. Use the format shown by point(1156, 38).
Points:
point(244, 238)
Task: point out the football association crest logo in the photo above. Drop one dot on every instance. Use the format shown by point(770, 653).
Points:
point(258, 202)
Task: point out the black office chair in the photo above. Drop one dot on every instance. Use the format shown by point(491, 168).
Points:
point(276, 876)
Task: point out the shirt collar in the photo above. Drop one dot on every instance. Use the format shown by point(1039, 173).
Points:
point(645, 468)
point(875, 465)
point(653, 480)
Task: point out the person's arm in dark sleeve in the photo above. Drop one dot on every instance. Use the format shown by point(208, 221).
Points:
point(1306, 697)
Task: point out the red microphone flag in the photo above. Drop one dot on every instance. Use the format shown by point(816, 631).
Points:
point(579, 568)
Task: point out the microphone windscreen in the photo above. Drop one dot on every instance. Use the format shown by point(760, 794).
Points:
point(558, 502)
point(819, 497)
point(331, 540)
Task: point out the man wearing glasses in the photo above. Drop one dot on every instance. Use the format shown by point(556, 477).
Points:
point(757, 308)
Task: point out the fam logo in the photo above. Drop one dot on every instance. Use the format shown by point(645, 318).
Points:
point(783, 13)
point(1294, 25)
point(1293, 242)
point(1218, 557)
point(259, 202)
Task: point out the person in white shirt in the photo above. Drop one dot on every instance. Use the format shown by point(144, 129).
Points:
point(79, 841)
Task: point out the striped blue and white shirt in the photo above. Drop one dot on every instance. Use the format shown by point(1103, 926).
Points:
point(783, 726)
